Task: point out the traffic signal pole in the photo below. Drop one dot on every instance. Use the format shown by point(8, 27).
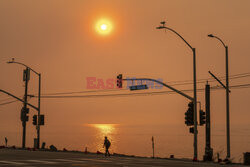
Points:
point(24, 119)
point(159, 82)
point(208, 131)
point(208, 150)
point(194, 100)
point(195, 107)
point(39, 109)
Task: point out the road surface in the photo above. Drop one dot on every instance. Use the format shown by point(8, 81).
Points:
point(25, 158)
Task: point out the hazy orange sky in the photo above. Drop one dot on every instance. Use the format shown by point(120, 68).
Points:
point(58, 39)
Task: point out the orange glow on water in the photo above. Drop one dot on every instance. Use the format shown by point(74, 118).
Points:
point(105, 129)
point(109, 130)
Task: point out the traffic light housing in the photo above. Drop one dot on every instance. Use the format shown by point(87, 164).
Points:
point(27, 110)
point(202, 117)
point(41, 120)
point(119, 81)
point(22, 116)
point(34, 120)
point(191, 130)
point(26, 74)
point(26, 118)
point(189, 115)
point(24, 113)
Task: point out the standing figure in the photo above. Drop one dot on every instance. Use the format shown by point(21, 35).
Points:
point(107, 145)
point(6, 141)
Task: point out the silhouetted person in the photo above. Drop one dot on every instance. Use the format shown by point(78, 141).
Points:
point(6, 141)
point(107, 145)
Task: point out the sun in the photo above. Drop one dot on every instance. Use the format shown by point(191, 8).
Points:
point(103, 26)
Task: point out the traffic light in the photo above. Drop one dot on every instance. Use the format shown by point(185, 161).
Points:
point(191, 130)
point(26, 74)
point(119, 81)
point(34, 120)
point(189, 115)
point(27, 110)
point(24, 113)
point(26, 118)
point(22, 116)
point(202, 117)
point(41, 120)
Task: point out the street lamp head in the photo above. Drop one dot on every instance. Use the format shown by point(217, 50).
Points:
point(160, 27)
point(11, 61)
point(210, 35)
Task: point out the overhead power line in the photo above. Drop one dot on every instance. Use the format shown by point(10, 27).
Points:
point(144, 93)
point(2, 100)
point(187, 82)
point(242, 86)
point(171, 83)
point(8, 102)
point(90, 91)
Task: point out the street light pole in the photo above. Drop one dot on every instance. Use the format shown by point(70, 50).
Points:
point(227, 95)
point(195, 88)
point(227, 101)
point(39, 100)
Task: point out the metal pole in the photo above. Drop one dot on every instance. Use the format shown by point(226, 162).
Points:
point(208, 150)
point(25, 101)
point(195, 93)
point(153, 146)
point(164, 84)
point(195, 107)
point(25, 106)
point(227, 96)
point(227, 101)
point(24, 133)
point(39, 109)
point(208, 131)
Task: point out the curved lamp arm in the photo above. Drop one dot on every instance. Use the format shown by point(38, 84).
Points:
point(13, 61)
point(212, 36)
point(164, 27)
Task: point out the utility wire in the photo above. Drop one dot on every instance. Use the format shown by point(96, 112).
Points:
point(187, 82)
point(8, 102)
point(174, 83)
point(2, 100)
point(145, 93)
point(13, 101)
point(91, 91)
point(221, 77)
point(209, 80)
point(140, 94)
